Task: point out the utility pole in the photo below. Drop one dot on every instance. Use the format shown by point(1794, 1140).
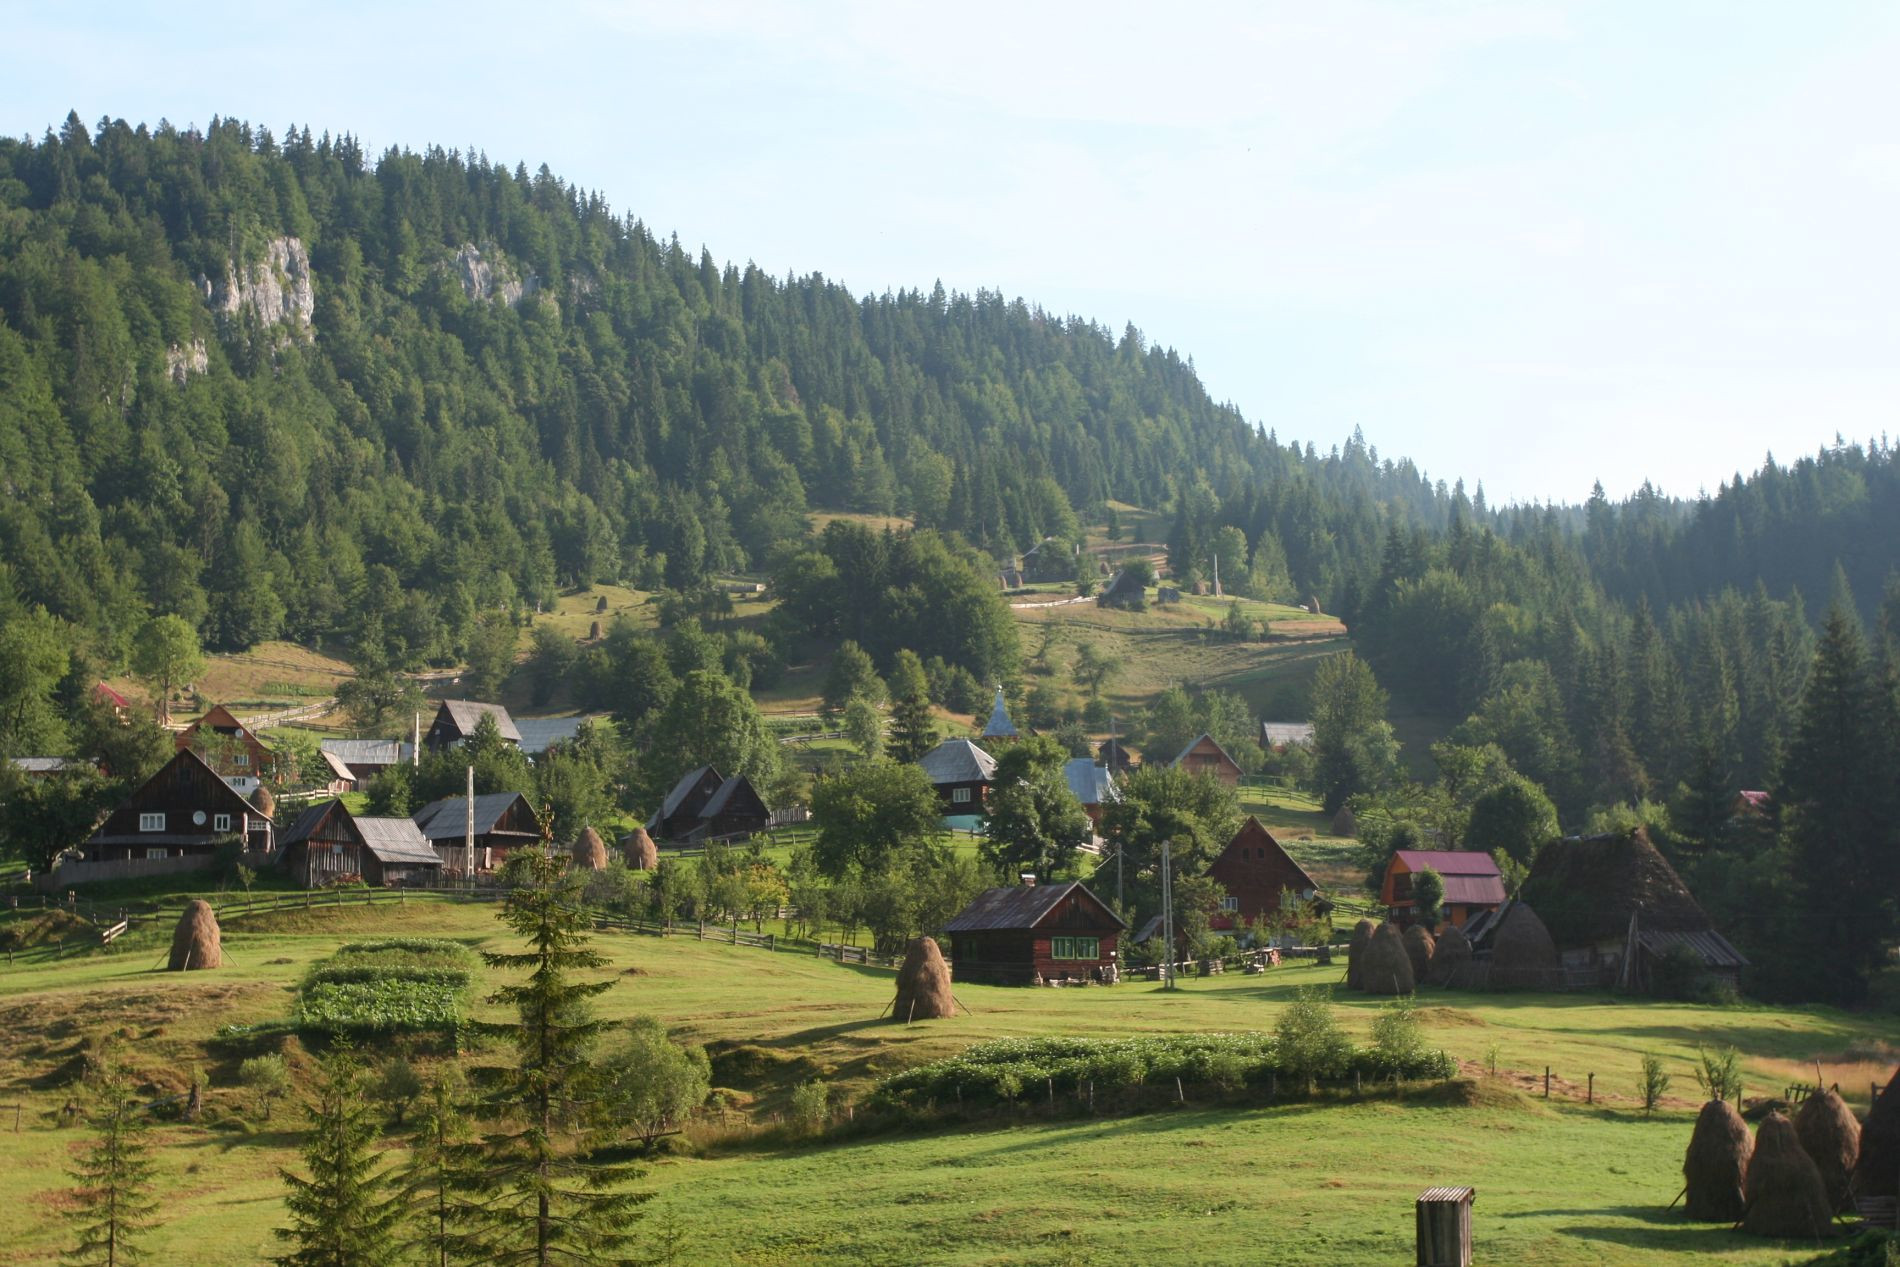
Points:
point(468, 823)
point(1167, 917)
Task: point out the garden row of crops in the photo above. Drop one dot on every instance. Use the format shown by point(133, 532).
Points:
point(396, 986)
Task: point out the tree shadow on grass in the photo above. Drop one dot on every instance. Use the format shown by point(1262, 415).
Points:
point(1673, 1235)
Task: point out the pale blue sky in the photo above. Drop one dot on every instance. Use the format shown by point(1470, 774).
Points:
point(1529, 244)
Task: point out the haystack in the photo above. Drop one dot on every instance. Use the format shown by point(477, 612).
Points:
point(1451, 956)
point(1715, 1169)
point(266, 803)
point(1356, 952)
point(1345, 822)
point(590, 851)
point(1786, 1197)
point(1877, 1173)
point(1523, 957)
point(195, 942)
point(638, 847)
point(923, 984)
point(1386, 969)
point(1419, 945)
point(1830, 1136)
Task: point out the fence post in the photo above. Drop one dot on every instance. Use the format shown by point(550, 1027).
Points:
point(1547, 1082)
point(1590, 1096)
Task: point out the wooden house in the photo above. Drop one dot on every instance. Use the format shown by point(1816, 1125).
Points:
point(328, 844)
point(1091, 785)
point(1254, 870)
point(999, 728)
point(504, 822)
point(120, 706)
point(227, 745)
point(367, 758)
point(186, 810)
point(1751, 804)
point(680, 811)
point(735, 811)
point(1207, 758)
point(1114, 757)
point(962, 773)
point(456, 720)
point(1614, 906)
point(1125, 592)
point(1032, 932)
point(1472, 883)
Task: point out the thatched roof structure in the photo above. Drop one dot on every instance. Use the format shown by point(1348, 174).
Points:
point(196, 943)
point(1585, 889)
point(1523, 956)
point(923, 984)
point(590, 851)
point(1877, 1173)
point(1451, 956)
point(639, 850)
point(1385, 968)
point(1830, 1136)
point(1715, 1169)
point(1419, 945)
point(1786, 1197)
point(1356, 952)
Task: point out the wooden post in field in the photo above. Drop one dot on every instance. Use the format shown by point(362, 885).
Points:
point(1547, 1082)
point(1590, 1096)
point(1443, 1217)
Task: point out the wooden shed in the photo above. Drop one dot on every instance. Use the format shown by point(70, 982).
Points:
point(328, 844)
point(1031, 932)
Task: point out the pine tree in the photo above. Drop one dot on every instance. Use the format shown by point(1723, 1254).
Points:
point(435, 1178)
point(913, 729)
point(545, 1200)
point(343, 1214)
point(114, 1202)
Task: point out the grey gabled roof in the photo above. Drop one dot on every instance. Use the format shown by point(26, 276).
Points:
point(1286, 732)
point(307, 822)
point(683, 788)
point(538, 734)
point(1000, 726)
point(446, 819)
point(958, 761)
point(48, 765)
point(1090, 783)
point(1019, 907)
point(369, 751)
point(735, 789)
point(467, 714)
point(339, 767)
point(1195, 743)
point(397, 840)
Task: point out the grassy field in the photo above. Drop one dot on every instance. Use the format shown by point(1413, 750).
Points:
point(1328, 1181)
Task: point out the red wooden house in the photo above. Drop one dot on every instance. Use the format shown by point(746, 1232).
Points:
point(1255, 870)
point(1206, 757)
point(1017, 936)
point(227, 745)
point(1472, 883)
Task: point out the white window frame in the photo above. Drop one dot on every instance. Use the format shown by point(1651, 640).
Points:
point(1230, 904)
point(959, 796)
point(151, 822)
point(220, 822)
point(155, 851)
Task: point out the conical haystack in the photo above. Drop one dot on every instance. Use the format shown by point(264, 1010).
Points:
point(1386, 969)
point(195, 942)
point(1786, 1197)
point(639, 850)
point(590, 851)
point(1715, 1169)
point(1356, 952)
point(1419, 945)
point(1450, 956)
point(265, 802)
point(1877, 1173)
point(1345, 822)
point(1523, 957)
point(1830, 1136)
point(923, 984)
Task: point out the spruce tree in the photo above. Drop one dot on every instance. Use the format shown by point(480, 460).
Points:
point(114, 1204)
point(545, 1200)
point(344, 1214)
point(913, 729)
point(436, 1181)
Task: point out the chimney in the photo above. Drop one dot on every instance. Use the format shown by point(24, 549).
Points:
point(1028, 879)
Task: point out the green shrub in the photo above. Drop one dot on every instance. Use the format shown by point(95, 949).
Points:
point(810, 1103)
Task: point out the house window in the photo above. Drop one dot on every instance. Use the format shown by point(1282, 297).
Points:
point(1230, 903)
point(1077, 948)
point(157, 853)
point(243, 759)
point(220, 822)
point(960, 795)
point(151, 822)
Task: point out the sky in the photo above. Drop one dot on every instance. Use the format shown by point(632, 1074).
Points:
point(1528, 245)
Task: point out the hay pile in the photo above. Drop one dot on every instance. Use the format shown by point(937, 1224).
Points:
point(1451, 956)
point(1786, 1197)
point(1386, 968)
point(923, 984)
point(1345, 823)
point(1830, 1136)
point(1419, 945)
point(590, 851)
point(195, 942)
point(638, 847)
point(1877, 1173)
point(1715, 1169)
point(1356, 952)
point(266, 803)
point(1523, 957)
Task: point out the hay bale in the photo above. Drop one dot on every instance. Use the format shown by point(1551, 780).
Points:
point(195, 942)
point(1387, 969)
point(1877, 1173)
point(1450, 957)
point(1523, 957)
point(1345, 823)
point(1715, 1169)
point(1419, 945)
point(1356, 952)
point(266, 803)
point(639, 850)
point(1786, 1197)
point(590, 851)
point(923, 984)
point(600, 605)
point(1830, 1136)
point(593, 631)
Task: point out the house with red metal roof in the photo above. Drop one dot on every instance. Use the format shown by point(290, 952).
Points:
point(1472, 883)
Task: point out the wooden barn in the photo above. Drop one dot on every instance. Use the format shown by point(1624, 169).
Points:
point(456, 720)
point(328, 844)
point(679, 812)
point(1614, 906)
point(735, 810)
point(185, 810)
point(504, 822)
point(1125, 592)
point(1254, 870)
point(1031, 933)
point(1472, 883)
point(227, 744)
point(1206, 757)
point(962, 773)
